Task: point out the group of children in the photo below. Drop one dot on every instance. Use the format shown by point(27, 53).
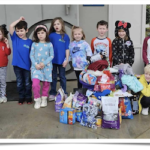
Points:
point(50, 51)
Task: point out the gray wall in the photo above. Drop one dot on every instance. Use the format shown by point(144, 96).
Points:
point(88, 18)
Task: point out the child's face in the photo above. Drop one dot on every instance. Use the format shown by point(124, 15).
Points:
point(1, 36)
point(21, 33)
point(41, 35)
point(102, 29)
point(77, 34)
point(147, 77)
point(122, 34)
point(57, 26)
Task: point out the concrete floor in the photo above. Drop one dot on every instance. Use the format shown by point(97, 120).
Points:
point(25, 122)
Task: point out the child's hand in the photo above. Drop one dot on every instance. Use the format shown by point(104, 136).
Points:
point(6, 41)
point(38, 67)
point(65, 63)
point(42, 65)
point(21, 18)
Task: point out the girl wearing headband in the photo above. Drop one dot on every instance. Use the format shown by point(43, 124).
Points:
point(41, 56)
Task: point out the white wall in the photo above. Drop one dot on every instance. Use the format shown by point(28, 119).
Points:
point(135, 14)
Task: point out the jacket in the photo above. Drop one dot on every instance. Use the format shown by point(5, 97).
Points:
point(144, 92)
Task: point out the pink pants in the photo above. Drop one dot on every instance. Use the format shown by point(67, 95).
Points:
point(36, 88)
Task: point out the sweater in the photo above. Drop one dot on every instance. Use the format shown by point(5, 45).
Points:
point(4, 52)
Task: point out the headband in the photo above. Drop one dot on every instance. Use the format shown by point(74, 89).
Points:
point(41, 26)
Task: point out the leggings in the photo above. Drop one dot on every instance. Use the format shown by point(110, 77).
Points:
point(36, 88)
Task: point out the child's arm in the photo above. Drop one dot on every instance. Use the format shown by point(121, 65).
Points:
point(114, 52)
point(67, 51)
point(32, 53)
point(110, 52)
point(144, 51)
point(131, 54)
point(88, 50)
point(7, 48)
point(92, 45)
point(146, 90)
point(51, 56)
point(12, 25)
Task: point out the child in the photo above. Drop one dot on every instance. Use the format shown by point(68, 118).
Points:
point(41, 58)
point(123, 50)
point(21, 60)
point(146, 50)
point(79, 50)
point(4, 52)
point(102, 43)
point(60, 41)
point(144, 101)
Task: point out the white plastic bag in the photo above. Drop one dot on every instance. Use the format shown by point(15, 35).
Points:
point(68, 101)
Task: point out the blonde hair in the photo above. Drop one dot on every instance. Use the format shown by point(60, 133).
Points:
point(147, 69)
point(126, 37)
point(72, 31)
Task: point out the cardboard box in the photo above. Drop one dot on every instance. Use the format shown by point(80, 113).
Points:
point(67, 116)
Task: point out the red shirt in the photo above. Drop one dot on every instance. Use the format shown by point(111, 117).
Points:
point(4, 52)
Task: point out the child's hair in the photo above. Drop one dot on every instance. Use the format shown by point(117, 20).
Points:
point(37, 29)
point(21, 25)
point(63, 31)
point(72, 31)
point(4, 31)
point(126, 36)
point(102, 22)
point(147, 69)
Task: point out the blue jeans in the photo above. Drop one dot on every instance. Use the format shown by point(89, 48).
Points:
point(54, 79)
point(24, 87)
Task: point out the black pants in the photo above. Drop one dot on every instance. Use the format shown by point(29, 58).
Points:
point(145, 102)
point(77, 75)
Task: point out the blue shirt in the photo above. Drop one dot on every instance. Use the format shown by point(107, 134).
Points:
point(60, 46)
point(21, 52)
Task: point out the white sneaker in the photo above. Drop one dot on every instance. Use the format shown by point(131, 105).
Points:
point(52, 98)
point(145, 111)
point(37, 103)
point(3, 99)
point(44, 101)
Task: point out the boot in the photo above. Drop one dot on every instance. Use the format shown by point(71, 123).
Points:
point(44, 101)
point(37, 103)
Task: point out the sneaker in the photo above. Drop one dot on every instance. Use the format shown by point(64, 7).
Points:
point(145, 111)
point(4, 99)
point(52, 98)
point(29, 100)
point(1, 100)
point(37, 104)
point(44, 101)
point(21, 101)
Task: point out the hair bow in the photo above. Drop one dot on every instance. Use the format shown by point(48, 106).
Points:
point(122, 24)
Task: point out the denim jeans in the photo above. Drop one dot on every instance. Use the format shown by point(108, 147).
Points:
point(23, 82)
point(54, 79)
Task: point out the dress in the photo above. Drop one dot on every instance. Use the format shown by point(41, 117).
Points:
point(42, 52)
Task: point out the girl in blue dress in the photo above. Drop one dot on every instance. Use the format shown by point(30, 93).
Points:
point(41, 56)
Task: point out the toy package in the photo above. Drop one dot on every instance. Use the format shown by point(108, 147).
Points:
point(79, 100)
point(127, 111)
point(88, 116)
point(110, 116)
point(59, 100)
point(67, 116)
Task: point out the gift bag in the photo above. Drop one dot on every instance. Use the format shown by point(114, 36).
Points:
point(68, 101)
point(59, 99)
